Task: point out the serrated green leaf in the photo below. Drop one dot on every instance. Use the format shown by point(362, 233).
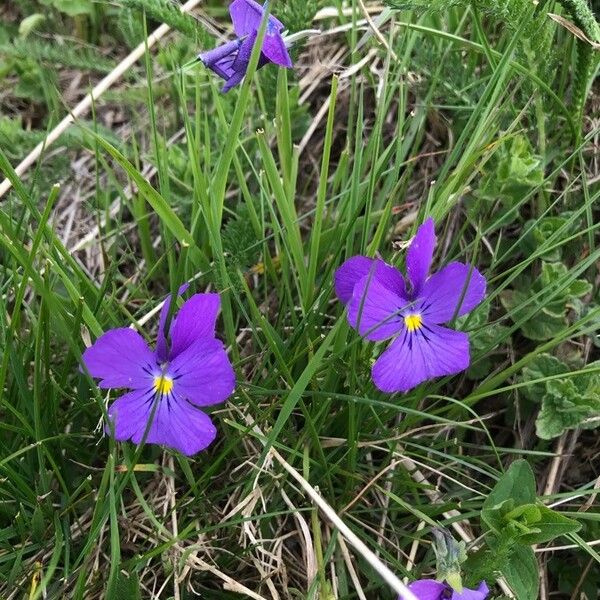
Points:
point(564, 407)
point(521, 573)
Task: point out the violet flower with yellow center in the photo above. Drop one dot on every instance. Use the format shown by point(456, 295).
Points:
point(381, 306)
point(230, 60)
point(189, 370)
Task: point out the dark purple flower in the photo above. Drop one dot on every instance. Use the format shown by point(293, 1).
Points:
point(169, 383)
point(430, 589)
point(380, 307)
point(230, 61)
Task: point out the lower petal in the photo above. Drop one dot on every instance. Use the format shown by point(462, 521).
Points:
point(275, 50)
point(481, 593)
point(175, 422)
point(427, 589)
point(414, 357)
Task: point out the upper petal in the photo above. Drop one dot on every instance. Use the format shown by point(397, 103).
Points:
point(414, 357)
point(357, 267)
point(175, 422)
point(203, 373)
point(374, 310)
point(455, 290)
point(246, 16)
point(162, 349)
point(427, 589)
point(420, 255)
point(197, 318)
point(121, 359)
point(481, 593)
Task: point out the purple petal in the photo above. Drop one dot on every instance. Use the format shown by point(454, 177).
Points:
point(243, 58)
point(196, 319)
point(221, 58)
point(246, 16)
point(275, 50)
point(414, 357)
point(232, 81)
point(428, 589)
point(121, 359)
point(162, 350)
point(349, 274)
point(175, 422)
point(357, 267)
point(420, 254)
point(456, 287)
point(481, 593)
point(374, 309)
point(203, 373)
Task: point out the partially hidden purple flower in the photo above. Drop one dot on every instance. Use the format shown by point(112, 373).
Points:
point(430, 589)
point(381, 306)
point(189, 370)
point(230, 61)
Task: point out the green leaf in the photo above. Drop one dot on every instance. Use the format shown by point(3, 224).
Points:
point(71, 7)
point(516, 485)
point(544, 365)
point(521, 573)
point(30, 23)
point(564, 407)
point(566, 402)
point(550, 524)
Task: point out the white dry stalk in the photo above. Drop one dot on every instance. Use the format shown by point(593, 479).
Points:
point(384, 571)
point(84, 105)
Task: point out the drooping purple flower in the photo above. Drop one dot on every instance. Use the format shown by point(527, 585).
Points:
point(230, 61)
point(381, 307)
point(430, 589)
point(189, 370)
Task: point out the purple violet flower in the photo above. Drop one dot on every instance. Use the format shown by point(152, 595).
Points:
point(380, 307)
point(430, 589)
point(170, 382)
point(230, 61)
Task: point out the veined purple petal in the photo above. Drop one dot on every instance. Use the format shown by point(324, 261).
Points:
point(415, 356)
point(197, 318)
point(175, 422)
point(427, 589)
point(374, 310)
point(275, 50)
point(456, 287)
point(121, 359)
point(203, 373)
point(481, 593)
point(357, 267)
point(243, 57)
point(246, 16)
point(420, 255)
point(162, 349)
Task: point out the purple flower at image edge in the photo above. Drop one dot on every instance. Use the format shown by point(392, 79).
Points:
point(188, 371)
point(230, 60)
point(430, 589)
point(381, 306)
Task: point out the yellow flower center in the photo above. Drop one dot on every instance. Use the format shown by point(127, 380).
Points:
point(163, 384)
point(413, 322)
